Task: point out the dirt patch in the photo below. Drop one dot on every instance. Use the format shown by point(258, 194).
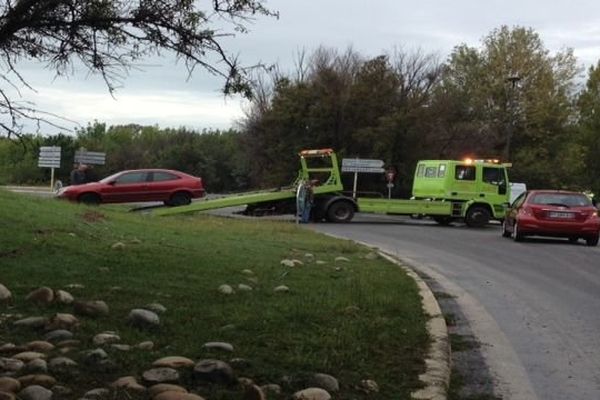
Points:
point(93, 216)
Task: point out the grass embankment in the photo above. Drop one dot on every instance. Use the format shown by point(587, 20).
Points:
point(354, 320)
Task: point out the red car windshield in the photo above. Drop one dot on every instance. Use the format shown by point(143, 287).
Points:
point(561, 199)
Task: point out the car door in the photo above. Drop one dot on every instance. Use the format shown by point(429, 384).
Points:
point(127, 187)
point(162, 184)
point(514, 210)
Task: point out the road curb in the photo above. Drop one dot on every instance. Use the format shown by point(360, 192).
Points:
point(436, 377)
point(438, 361)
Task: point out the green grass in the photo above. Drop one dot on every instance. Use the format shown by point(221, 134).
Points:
point(362, 320)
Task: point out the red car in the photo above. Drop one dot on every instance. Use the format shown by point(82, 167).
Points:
point(174, 188)
point(553, 213)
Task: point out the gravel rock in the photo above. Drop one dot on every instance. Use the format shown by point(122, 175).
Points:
point(61, 392)
point(165, 387)
point(75, 286)
point(10, 365)
point(63, 297)
point(95, 308)
point(160, 375)
point(118, 246)
point(128, 382)
point(271, 388)
point(288, 263)
point(61, 363)
point(156, 308)
point(35, 392)
point(40, 345)
point(244, 288)
point(62, 321)
point(372, 256)
point(97, 394)
point(143, 318)
point(218, 346)
point(226, 289)
point(27, 356)
point(325, 381)
point(37, 379)
point(369, 386)
point(214, 371)
point(173, 362)
point(32, 322)
point(9, 385)
point(93, 357)
point(7, 395)
point(147, 345)
point(253, 392)
point(311, 394)
point(43, 296)
point(5, 294)
point(120, 347)
point(106, 338)
point(248, 272)
point(36, 366)
point(281, 289)
point(58, 335)
point(173, 395)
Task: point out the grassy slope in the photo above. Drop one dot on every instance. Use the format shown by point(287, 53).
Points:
point(180, 262)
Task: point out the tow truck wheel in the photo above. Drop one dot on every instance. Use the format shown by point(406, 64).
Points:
point(442, 220)
point(477, 217)
point(340, 211)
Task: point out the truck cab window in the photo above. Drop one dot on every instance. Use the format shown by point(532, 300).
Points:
point(464, 173)
point(493, 176)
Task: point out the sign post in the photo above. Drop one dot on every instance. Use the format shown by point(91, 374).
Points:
point(390, 175)
point(361, 165)
point(49, 157)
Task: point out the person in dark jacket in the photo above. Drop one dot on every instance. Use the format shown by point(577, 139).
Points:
point(90, 174)
point(78, 174)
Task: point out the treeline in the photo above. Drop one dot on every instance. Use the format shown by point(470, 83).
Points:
point(509, 98)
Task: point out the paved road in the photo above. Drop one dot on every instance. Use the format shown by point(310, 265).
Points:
point(535, 306)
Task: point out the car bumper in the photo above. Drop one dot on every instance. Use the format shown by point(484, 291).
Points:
point(558, 228)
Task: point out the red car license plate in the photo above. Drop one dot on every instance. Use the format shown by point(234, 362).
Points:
point(560, 214)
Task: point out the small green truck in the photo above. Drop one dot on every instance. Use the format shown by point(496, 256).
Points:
point(471, 191)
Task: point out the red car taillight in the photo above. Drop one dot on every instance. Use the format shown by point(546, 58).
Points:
point(526, 211)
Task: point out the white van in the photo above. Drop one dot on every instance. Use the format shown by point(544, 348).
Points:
point(516, 189)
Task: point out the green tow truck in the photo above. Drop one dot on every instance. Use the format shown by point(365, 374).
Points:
point(471, 191)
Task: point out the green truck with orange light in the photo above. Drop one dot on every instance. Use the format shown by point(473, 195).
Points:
point(473, 191)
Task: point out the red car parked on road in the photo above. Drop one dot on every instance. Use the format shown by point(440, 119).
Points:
point(171, 187)
point(553, 213)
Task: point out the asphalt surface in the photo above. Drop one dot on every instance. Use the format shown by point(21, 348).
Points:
point(534, 306)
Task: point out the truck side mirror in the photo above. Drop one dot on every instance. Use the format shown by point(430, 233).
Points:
point(502, 188)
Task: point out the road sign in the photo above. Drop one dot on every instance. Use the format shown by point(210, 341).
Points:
point(49, 157)
point(90, 157)
point(361, 162)
point(362, 165)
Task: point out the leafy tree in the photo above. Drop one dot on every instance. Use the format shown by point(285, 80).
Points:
point(589, 139)
point(109, 36)
point(515, 100)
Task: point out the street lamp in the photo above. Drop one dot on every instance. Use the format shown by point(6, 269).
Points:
point(513, 80)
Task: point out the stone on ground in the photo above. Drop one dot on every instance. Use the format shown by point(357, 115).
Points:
point(325, 381)
point(5, 294)
point(160, 375)
point(214, 371)
point(43, 296)
point(8, 384)
point(94, 308)
point(173, 362)
point(312, 394)
point(218, 346)
point(143, 318)
point(35, 392)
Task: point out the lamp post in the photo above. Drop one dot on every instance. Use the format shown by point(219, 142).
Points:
point(513, 80)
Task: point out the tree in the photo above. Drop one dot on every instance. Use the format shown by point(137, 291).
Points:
point(109, 36)
point(515, 99)
point(589, 125)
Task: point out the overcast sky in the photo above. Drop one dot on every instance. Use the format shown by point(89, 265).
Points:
point(161, 94)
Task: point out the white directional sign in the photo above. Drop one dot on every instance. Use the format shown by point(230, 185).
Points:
point(362, 165)
point(49, 157)
point(90, 157)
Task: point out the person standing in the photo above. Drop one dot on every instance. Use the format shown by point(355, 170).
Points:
point(78, 174)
